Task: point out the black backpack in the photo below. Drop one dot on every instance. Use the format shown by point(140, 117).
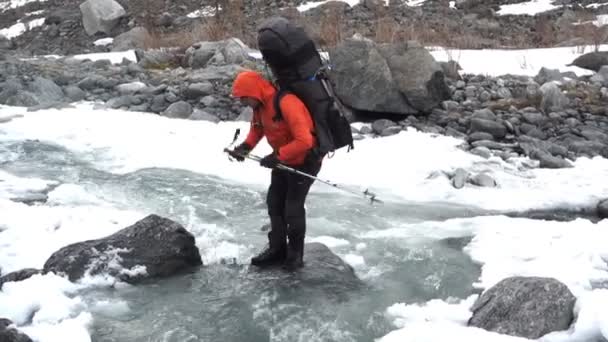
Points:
point(298, 69)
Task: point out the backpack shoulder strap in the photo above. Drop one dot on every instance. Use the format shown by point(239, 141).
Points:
point(277, 104)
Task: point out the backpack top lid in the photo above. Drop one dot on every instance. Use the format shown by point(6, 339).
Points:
point(286, 46)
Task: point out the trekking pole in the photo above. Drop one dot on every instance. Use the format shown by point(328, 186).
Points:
point(366, 193)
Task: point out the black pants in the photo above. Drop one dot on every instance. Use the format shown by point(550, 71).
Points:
point(286, 196)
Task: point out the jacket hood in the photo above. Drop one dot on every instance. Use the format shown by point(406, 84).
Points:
point(252, 84)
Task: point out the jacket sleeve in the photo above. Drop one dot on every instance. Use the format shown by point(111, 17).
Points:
point(256, 132)
point(301, 126)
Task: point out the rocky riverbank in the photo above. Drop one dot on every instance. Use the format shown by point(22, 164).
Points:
point(551, 118)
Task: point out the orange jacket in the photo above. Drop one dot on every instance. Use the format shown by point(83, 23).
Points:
point(292, 137)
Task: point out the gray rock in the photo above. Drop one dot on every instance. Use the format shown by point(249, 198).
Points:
point(594, 134)
point(482, 151)
point(460, 178)
point(552, 98)
point(23, 99)
point(366, 130)
point(96, 81)
point(74, 93)
point(470, 92)
point(528, 144)
point(547, 75)
point(179, 110)
point(533, 91)
point(534, 118)
point(504, 93)
point(493, 145)
point(390, 131)
point(485, 113)
point(9, 334)
point(485, 96)
point(528, 307)
point(208, 101)
point(591, 61)
point(165, 19)
point(131, 88)
point(450, 105)
point(31, 198)
point(588, 148)
point(46, 91)
point(449, 131)
point(480, 136)
point(156, 245)
point(5, 43)
point(158, 104)
point(324, 271)
point(537, 133)
point(118, 102)
point(9, 89)
point(18, 276)
point(133, 39)
point(483, 179)
point(497, 129)
point(100, 15)
point(197, 90)
point(204, 54)
point(159, 58)
point(203, 116)
point(395, 78)
point(602, 209)
point(379, 126)
point(144, 107)
point(548, 161)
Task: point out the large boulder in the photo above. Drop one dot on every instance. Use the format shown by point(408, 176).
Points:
point(101, 15)
point(133, 39)
point(591, 61)
point(229, 51)
point(390, 78)
point(602, 209)
point(527, 307)
point(152, 247)
point(9, 334)
point(46, 91)
point(18, 275)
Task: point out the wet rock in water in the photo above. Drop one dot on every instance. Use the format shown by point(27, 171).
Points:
point(152, 247)
point(18, 275)
point(31, 198)
point(321, 268)
point(10, 334)
point(602, 209)
point(528, 307)
point(460, 178)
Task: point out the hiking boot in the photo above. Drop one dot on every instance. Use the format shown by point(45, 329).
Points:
point(276, 250)
point(295, 255)
point(295, 248)
point(269, 256)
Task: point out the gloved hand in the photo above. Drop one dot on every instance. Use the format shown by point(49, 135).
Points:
point(240, 151)
point(270, 161)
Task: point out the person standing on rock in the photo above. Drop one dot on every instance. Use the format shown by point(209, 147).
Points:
point(292, 140)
